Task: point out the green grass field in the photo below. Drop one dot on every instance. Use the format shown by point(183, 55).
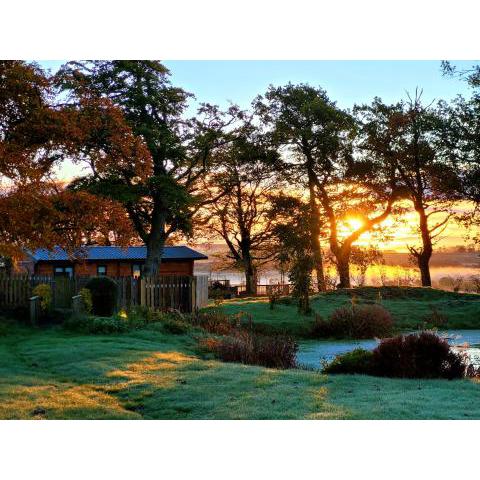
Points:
point(408, 306)
point(49, 374)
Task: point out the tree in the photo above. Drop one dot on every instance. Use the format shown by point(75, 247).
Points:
point(163, 201)
point(311, 133)
point(363, 258)
point(319, 141)
point(294, 245)
point(242, 183)
point(35, 136)
point(462, 139)
point(406, 138)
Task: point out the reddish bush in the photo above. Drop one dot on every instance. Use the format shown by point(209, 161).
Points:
point(214, 321)
point(252, 349)
point(423, 355)
point(358, 321)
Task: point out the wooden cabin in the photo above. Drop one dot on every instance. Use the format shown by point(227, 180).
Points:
point(110, 261)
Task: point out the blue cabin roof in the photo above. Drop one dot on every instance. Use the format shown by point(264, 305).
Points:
point(116, 253)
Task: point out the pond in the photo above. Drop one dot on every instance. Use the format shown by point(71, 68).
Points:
point(311, 353)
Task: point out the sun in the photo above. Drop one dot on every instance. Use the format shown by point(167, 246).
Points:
point(354, 223)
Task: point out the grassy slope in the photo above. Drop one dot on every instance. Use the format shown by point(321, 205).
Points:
point(147, 374)
point(408, 306)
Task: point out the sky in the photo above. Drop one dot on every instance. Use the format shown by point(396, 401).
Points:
point(346, 82)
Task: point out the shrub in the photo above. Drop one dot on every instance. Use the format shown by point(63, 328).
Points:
point(219, 290)
point(287, 300)
point(96, 325)
point(86, 295)
point(356, 361)
point(423, 355)
point(252, 349)
point(175, 326)
point(5, 326)
point(358, 321)
point(44, 291)
point(104, 295)
point(214, 321)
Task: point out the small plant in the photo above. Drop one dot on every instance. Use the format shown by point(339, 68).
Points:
point(435, 318)
point(104, 295)
point(44, 291)
point(358, 321)
point(424, 355)
point(86, 295)
point(175, 326)
point(274, 294)
point(356, 361)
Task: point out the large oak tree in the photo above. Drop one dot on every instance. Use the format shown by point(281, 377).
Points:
point(162, 202)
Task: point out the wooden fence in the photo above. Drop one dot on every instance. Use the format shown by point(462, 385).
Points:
point(265, 290)
point(182, 293)
point(201, 291)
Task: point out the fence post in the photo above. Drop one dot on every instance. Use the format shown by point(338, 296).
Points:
point(77, 304)
point(193, 294)
point(34, 309)
point(142, 292)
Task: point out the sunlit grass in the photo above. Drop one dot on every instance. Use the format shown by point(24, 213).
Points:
point(146, 374)
point(47, 374)
point(408, 311)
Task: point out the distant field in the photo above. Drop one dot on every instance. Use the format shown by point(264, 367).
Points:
point(408, 306)
point(442, 264)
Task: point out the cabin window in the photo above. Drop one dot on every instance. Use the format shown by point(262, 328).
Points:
point(101, 270)
point(136, 270)
point(63, 272)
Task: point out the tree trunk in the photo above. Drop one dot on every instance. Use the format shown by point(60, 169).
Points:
point(315, 235)
point(155, 243)
point(423, 258)
point(423, 265)
point(250, 277)
point(343, 268)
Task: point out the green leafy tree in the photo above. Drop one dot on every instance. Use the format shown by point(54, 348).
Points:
point(294, 245)
point(462, 140)
point(242, 181)
point(406, 138)
point(163, 200)
point(317, 140)
point(310, 132)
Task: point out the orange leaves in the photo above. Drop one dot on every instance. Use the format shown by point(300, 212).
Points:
point(100, 133)
point(35, 136)
point(40, 215)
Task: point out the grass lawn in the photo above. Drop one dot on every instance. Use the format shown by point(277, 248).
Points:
point(408, 306)
point(148, 374)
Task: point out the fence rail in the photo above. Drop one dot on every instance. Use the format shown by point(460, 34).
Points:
point(161, 292)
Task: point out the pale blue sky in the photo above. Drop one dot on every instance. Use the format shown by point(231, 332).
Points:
point(347, 82)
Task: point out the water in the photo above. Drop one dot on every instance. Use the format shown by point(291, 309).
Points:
point(312, 353)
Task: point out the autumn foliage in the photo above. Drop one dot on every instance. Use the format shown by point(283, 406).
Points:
point(36, 135)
